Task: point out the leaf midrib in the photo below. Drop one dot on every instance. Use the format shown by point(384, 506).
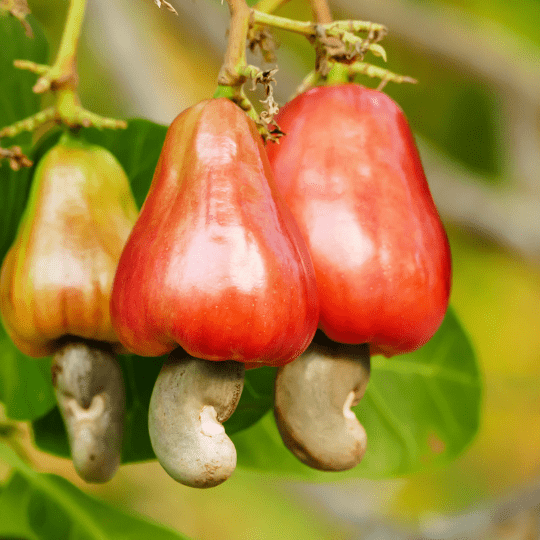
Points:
point(425, 370)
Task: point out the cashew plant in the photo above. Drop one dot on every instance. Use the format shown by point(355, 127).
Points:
point(113, 257)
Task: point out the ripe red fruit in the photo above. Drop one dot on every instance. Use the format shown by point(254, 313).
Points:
point(215, 262)
point(349, 170)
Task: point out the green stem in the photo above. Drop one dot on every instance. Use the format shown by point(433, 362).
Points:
point(236, 95)
point(63, 73)
point(309, 29)
point(62, 78)
point(362, 68)
point(67, 105)
point(235, 70)
point(338, 74)
point(322, 14)
point(321, 11)
point(67, 51)
point(28, 124)
point(306, 28)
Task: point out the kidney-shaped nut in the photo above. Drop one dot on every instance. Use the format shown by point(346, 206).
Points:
point(190, 401)
point(313, 399)
point(91, 396)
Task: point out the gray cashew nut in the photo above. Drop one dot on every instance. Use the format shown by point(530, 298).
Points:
point(91, 397)
point(313, 399)
point(190, 401)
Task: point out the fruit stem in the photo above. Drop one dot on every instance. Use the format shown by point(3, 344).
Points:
point(321, 11)
point(235, 71)
point(338, 74)
point(231, 73)
point(334, 41)
point(63, 73)
point(323, 15)
point(67, 52)
point(309, 29)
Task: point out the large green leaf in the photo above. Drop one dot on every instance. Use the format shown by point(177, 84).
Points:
point(25, 383)
point(38, 506)
point(17, 101)
point(137, 148)
point(420, 409)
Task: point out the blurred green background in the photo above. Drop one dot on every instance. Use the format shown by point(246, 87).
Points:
point(476, 113)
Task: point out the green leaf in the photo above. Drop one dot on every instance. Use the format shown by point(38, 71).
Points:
point(13, 504)
point(420, 409)
point(47, 507)
point(140, 375)
point(256, 400)
point(14, 499)
point(17, 101)
point(15, 186)
point(25, 383)
point(137, 148)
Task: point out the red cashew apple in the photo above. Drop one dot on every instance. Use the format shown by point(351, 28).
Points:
point(215, 263)
point(349, 170)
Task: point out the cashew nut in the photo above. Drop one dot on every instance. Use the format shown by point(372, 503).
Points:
point(190, 401)
point(313, 399)
point(91, 396)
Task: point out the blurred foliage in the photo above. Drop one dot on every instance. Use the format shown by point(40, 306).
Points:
point(456, 112)
point(520, 16)
point(497, 298)
point(44, 506)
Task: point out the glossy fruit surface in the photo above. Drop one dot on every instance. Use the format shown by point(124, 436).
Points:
point(57, 277)
point(349, 170)
point(215, 262)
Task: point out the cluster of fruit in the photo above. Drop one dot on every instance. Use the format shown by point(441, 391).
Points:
point(239, 253)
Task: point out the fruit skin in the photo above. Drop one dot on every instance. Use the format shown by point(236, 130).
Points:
point(349, 170)
point(57, 276)
point(215, 263)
